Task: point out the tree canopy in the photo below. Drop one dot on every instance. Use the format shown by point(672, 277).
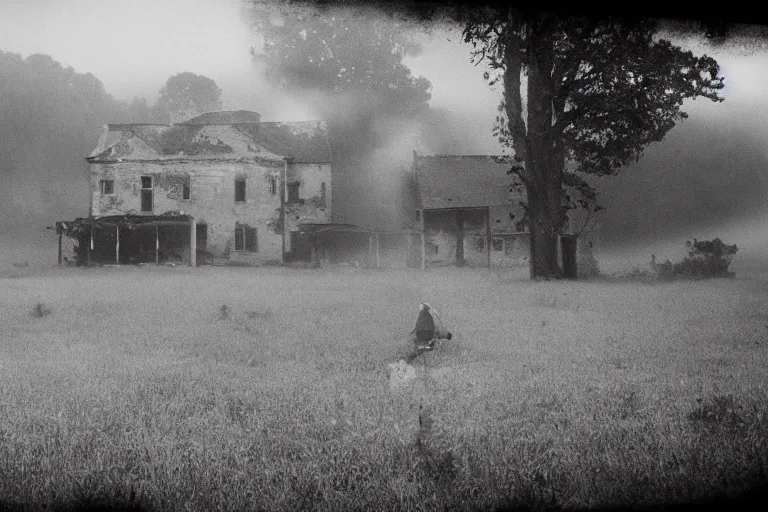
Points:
point(50, 119)
point(184, 96)
point(348, 64)
point(598, 91)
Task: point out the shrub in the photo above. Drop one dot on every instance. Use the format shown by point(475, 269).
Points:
point(40, 310)
point(706, 258)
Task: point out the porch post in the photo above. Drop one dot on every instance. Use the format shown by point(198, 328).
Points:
point(90, 246)
point(459, 238)
point(117, 245)
point(423, 241)
point(377, 249)
point(157, 245)
point(370, 249)
point(488, 240)
point(60, 247)
point(192, 242)
point(314, 259)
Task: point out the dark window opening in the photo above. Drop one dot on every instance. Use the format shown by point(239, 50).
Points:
point(240, 190)
point(146, 194)
point(273, 185)
point(431, 249)
point(322, 193)
point(107, 187)
point(185, 189)
point(293, 192)
point(246, 238)
point(498, 244)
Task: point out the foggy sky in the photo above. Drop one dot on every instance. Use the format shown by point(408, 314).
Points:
point(133, 47)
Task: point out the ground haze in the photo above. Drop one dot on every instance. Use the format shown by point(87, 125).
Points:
point(267, 388)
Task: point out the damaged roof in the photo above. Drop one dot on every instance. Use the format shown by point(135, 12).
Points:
point(215, 136)
point(459, 181)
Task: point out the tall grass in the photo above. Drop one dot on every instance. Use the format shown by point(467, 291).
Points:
point(140, 392)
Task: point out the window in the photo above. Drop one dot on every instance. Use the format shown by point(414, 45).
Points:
point(431, 249)
point(322, 193)
point(498, 244)
point(146, 193)
point(107, 187)
point(185, 189)
point(246, 238)
point(239, 190)
point(293, 192)
point(273, 185)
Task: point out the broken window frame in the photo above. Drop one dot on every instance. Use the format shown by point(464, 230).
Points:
point(273, 185)
point(240, 190)
point(292, 195)
point(497, 244)
point(247, 236)
point(143, 181)
point(103, 187)
point(186, 189)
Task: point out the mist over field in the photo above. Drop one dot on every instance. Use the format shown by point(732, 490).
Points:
point(272, 389)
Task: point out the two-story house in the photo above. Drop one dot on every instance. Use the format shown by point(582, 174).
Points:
point(234, 188)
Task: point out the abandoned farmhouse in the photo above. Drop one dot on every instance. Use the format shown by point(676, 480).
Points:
point(226, 188)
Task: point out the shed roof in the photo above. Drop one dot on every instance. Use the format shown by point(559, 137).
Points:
point(226, 117)
point(462, 181)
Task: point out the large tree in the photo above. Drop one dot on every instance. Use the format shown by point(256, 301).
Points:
point(348, 65)
point(582, 96)
point(50, 119)
point(184, 96)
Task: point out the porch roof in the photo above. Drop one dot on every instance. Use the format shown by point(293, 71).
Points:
point(130, 221)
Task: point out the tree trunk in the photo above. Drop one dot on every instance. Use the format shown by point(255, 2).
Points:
point(544, 231)
point(543, 161)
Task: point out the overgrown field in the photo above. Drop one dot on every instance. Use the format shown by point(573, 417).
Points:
point(267, 389)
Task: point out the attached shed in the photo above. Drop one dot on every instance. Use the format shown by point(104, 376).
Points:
point(467, 214)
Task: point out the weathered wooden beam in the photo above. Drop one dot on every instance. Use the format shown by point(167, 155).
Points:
point(90, 247)
point(377, 249)
point(157, 244)
point(60, 234)
point(370, 249)
point(459, 238)
point(192, 243)
point(423, 241)
point(117, 245)
point(488, 240)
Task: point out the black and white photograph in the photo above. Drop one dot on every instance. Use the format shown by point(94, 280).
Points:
point(359, 255)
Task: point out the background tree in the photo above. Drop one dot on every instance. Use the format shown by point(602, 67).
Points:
point(50, 120)
point(138, 111)
point(186, 95)
point(348, 64)
point(598, 91)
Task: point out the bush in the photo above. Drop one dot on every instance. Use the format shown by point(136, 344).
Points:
point(40, 310)
point(706, 259)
